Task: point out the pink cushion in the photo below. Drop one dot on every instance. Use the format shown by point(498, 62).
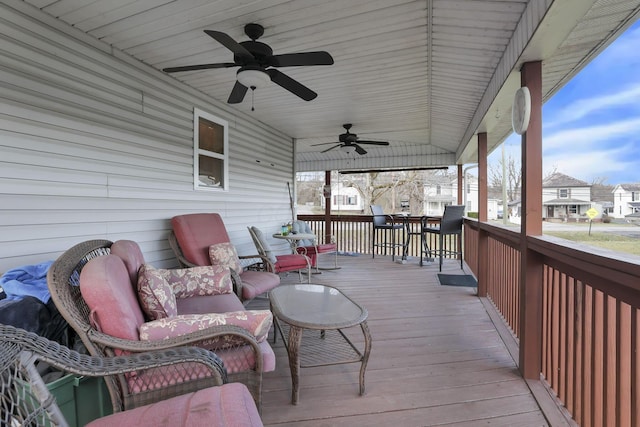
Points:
point(225, 254)
point(105, 286)
point(224, 406)
point(240, 359)
point(210, 304)
point(255, 283)
point(130, 253)
point(199, 281)
point(256, 322)
point(196, 232)
point(155, 293)
point(290, 262)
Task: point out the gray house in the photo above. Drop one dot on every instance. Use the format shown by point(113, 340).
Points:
point(565, 197)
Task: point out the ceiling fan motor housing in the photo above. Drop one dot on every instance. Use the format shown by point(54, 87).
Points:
point(259, 50)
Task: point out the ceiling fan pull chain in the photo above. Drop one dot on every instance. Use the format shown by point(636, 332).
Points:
point(253, 92)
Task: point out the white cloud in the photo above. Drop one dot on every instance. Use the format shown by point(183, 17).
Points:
point(586, 137)
point(583, 107)
point(589, 165)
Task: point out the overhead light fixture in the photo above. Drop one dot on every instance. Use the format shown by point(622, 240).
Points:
point(253, 78)
point(348, 148)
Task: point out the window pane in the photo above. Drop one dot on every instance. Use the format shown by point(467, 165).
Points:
point(211, 136)
point(211, 171)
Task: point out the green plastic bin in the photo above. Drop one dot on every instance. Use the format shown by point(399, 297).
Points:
point(81, 399)
point(91, 399)
point(64, 391)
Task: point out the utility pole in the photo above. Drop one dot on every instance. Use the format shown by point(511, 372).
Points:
point(505, 208)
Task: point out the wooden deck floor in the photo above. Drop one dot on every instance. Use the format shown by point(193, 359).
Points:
point(437, 358)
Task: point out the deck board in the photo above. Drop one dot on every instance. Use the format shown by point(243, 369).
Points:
point(436, 358)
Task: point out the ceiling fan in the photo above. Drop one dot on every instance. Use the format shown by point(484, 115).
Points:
point(254, 59)
point(349, 142)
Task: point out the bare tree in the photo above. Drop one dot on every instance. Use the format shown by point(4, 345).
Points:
point(513, 178)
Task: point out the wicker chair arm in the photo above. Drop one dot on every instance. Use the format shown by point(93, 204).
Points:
point(71, 361)
point(237, 283)
point(182, 340)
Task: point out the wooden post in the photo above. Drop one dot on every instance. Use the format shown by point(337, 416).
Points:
point(461, 184)
point(530, 363)
point(483, 239)
point(327, 208)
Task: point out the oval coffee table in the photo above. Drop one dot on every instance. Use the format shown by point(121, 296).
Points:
point(318, 308)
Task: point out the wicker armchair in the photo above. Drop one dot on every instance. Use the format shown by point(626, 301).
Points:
point(243, 357)
point(25, 400)
point(194, 240)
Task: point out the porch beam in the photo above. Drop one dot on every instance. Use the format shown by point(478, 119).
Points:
point(531, 276)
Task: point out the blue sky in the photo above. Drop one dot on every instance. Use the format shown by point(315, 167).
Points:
point(591, 127)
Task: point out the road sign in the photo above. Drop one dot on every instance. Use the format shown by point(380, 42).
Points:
point(592, 213)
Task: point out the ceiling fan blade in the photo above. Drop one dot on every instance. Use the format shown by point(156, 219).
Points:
point(359, 149)
point(329, 149)
point(230, 44)
point(291, 85)
point(302, 59)
point(373, 142)
point(237, 93)
point(325, 143)
point(199, 67)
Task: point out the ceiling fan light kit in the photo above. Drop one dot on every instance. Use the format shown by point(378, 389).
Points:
point(253, 79)
point(257, 61)
point(348, 148)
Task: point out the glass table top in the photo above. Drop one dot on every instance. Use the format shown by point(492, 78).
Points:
point(315, 307)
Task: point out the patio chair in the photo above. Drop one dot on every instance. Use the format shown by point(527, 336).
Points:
point(25, 399)
point(385, 224)
point(312, 248)
point(280, 263)
point(93, 285)
point(449, 224)
point(202, 239)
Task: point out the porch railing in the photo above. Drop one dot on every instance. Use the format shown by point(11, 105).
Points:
point(590, 303)
point(353, 233)
point(589, 313)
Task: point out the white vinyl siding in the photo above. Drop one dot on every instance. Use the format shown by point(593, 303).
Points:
point(94, 144)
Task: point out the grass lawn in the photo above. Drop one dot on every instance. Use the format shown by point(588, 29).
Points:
point(611, 241)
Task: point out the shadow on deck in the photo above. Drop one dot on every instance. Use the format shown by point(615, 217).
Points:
point(437, 358)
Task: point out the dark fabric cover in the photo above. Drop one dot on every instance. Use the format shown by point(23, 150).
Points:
point(33, 315)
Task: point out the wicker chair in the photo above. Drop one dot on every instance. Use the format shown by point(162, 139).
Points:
point(312, 248)
point(194, 235)
point(280, 263)
point(132, 391)
point(25, 400)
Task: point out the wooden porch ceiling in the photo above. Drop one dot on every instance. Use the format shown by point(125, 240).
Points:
point(436, 359)
point(426, 75)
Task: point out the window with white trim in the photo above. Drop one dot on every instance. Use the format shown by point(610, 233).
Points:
point(210, 151)
point(563, 193)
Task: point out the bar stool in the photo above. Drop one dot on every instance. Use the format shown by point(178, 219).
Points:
point(387, 224)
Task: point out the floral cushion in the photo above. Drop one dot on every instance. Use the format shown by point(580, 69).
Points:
point(159, 288)
point(200, 281)
point(225, 254)
point(156, 295)
point(256, 322)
